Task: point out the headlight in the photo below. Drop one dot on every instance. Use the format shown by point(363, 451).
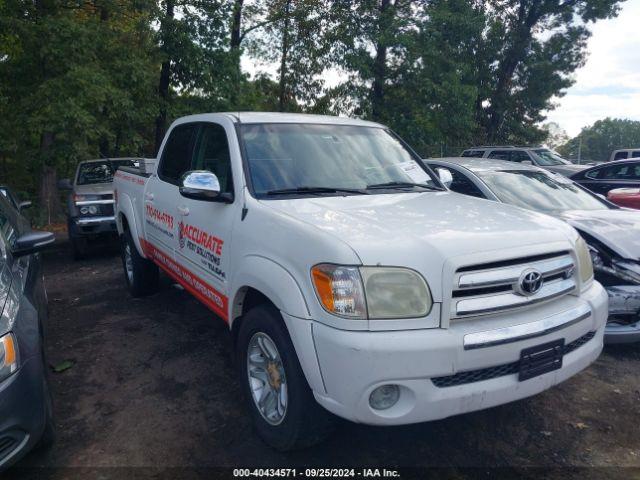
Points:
point(339, 290)
point(371, 292)
point(8, 356)
point(395, 293)
point(584, 261)
point(89, 210)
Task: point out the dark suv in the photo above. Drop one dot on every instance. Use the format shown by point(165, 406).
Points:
point(26, 413)
point(539, 156)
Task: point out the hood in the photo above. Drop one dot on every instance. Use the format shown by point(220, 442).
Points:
point(617, 229)
point(94, 189)
point(424, 230)
point(567, 170)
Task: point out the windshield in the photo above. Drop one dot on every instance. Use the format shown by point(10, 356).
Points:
point(547, 157)
point(539, 191)
point(100, 172)
point(285, 157)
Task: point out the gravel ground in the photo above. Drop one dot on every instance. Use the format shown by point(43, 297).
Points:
point(152, 386)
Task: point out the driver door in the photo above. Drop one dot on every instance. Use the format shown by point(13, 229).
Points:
point(205, 227)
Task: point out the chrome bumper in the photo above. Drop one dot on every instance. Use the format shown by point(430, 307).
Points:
point(95, 220)
point(523, 331)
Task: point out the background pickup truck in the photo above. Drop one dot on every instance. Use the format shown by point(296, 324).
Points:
point(352, 280)
point(90, 202)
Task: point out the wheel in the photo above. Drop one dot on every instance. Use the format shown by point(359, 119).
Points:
point(141, 274)
point(78, 247)
point(284, 412)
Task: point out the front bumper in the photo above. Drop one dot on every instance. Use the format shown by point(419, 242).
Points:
point(354, 363)
point(95, 225)
point(624, 301)
point(22, 411)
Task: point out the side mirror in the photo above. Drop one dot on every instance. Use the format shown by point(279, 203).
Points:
point(526, 162)
point(445, 176)
point(32, 242)
point(65, 184)
point(23, 205)
point(203, 185)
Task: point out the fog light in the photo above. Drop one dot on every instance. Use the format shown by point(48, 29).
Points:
point(384, 397)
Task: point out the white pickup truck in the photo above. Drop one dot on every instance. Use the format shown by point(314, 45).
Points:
point(352, 280)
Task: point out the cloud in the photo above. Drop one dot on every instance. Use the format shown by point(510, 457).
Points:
point(609, 83)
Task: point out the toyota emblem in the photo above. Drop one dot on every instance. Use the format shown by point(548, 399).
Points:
point(529, 283)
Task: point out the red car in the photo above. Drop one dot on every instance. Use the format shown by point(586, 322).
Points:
point(625, 197)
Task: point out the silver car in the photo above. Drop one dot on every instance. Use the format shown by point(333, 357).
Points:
point(612, 233)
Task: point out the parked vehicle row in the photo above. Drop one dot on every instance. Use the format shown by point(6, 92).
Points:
point(353, 281)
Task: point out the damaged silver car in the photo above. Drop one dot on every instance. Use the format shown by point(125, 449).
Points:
point(612, 232)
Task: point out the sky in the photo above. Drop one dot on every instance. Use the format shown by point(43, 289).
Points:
point(608, 85)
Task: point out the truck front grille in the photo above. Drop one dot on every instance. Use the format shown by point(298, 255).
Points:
point(495, 287)
point(489, 373)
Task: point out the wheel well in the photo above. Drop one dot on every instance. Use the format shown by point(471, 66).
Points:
point(246, 299)
point(125, 222)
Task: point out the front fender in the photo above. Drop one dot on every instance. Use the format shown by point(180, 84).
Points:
point(126, 210)
point(272, 280)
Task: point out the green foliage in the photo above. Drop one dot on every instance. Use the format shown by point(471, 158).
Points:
point(602, 138)
point(85, 79)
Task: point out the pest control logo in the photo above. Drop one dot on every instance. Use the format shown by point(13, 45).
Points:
point(181, 239)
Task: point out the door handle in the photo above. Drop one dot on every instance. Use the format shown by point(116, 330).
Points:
point(184, 211)
point(148, 197)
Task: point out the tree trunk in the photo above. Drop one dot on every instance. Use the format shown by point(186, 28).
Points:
point(165, 76)
point(282, 96)
point(236, 40)
point(380, 63)
point(513, 57)
point(48, 196)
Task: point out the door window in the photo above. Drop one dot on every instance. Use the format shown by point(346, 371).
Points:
point(462, 184)
point(620, 156)
point(519, 156)
point(635, 154)
point(212, 154)
point(628, 171)
point(500, 154)
point(176, 156)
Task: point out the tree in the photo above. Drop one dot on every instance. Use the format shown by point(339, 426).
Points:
point(75, 86)
point(293, 37)
point(556, 135)
point(528, 52)
point(603, 137)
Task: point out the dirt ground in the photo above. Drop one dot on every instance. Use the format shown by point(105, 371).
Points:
point(152, 386)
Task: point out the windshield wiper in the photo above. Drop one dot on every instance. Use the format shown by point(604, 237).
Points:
point(402, 185)
point(315, 190)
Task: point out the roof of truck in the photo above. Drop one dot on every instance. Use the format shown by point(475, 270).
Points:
point(109, 159)
point(485, 164)
point(276, 117)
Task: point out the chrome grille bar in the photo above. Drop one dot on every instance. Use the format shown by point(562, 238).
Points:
point(509, 275)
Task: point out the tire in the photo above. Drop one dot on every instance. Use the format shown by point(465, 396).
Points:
point(78, 247)
point(303, 422)
point(140, 274)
